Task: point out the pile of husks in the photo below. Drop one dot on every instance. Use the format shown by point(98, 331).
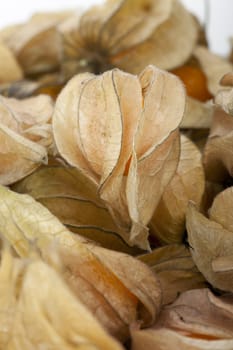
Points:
point(116, 195)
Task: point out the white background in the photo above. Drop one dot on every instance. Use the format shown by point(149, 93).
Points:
point(220, 24)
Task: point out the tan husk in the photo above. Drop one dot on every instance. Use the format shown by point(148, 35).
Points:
point(26, 136)
point(197, 320)
point(218, 151)
point(212, 189)
point(197, 136)
point(198, 115)
point(188, 183)
point(48, 84)
point(19, 89)
point(135, 150)
point(117, 288)
point(130, 31)
point(227, 80)
point(211, 240)
point(200, 312)
point(213, 66)
point(46, 317)
point(224, 98)
point(10, 69)
point(73, 199)
point(175, 270)
point(37, 43)
point(8, 31)
point(169, 46)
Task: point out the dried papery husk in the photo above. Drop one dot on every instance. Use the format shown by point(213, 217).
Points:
point(220, 209)
point(10, 69)
point(200, 312)
point(175, 270)
point(116, 287)
point(197, 320)
point(8, 31)
point(227, 80)
point(198, 115)
point(37, 43)
point(109, 29)
point(211, 240)
point(224, 98)
point(26, 136)
point(218, 152)
point(45, 317)
point(188, 183)
point(136, 146)
point(115, 33)
point(169, 46)
point(30, 117)
point(197, 136)
point(19, 156)
point(9, 272)
point(71, 22)
point(19, 89)
point(47, 84)
point(167, 339)
point(74, 200)
point(128, 25)
point(57, 16)
point(213, 66)
point(202, 32)
point(212, 189)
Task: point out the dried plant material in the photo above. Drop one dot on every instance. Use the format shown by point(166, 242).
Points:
point(18, 155)
point(73, 199)
point(45, 317)
point(198, 115)
point(19, 89)
point(200, 312)
point(58, 16)
point(197, 136)
point(212, 189)
point(116, 34)
point(227, 80)
point(175, 270)
point(30, 117)
point(218, 152)
point(8, 31)
point(37, 44)
point(136, 146)
point(197, 320)
point(213, 66)
point(8, 291)
point(48, 84)
point(224, 98)
point(188, 183)
point(26, 136)
point(10, 69)
point(71, 22)
point(202, 34)
point(117, 288)
point(220, 210)
point(211, 240)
